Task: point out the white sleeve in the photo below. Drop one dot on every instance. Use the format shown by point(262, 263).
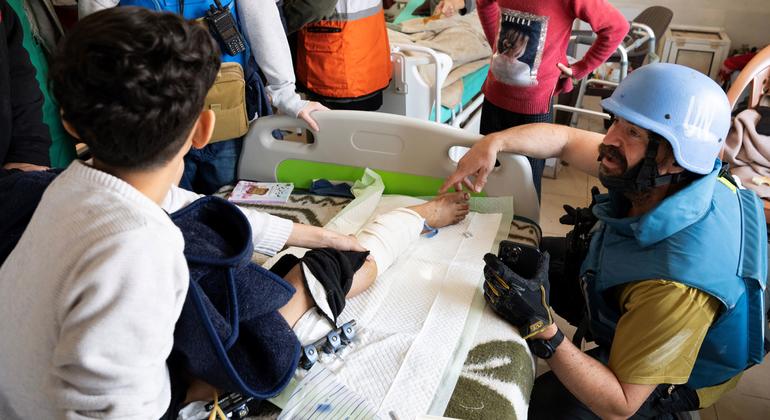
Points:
point(117, 328)
point(87, 7)
point(268, 233)
point(264, 32)
point(178, 198)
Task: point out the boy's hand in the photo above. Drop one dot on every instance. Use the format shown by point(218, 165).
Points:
point(344, 242)
point(305, 113)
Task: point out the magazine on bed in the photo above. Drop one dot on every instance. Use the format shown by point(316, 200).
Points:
point(250, 192)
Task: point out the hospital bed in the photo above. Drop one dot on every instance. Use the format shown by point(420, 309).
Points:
point(410, 94)
point(488, 364)
point(393, 145)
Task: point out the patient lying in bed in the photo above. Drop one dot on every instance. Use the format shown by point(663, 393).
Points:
point(385, 238)
point(324, 278)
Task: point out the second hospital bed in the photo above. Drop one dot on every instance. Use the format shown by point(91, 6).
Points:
point(489, 371)
point(423, 53)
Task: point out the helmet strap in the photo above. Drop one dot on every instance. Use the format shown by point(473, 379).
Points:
point(644, 176)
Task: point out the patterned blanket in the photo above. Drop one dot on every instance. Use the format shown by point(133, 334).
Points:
point(498, 373)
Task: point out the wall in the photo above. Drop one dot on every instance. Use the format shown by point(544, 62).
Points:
point(745, 21)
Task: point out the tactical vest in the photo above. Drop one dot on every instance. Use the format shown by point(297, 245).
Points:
point(710, 236)
point(348, 54)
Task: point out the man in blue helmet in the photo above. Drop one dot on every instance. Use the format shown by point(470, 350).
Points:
point(674, 277)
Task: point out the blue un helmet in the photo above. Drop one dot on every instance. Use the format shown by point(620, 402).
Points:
point(680, 104)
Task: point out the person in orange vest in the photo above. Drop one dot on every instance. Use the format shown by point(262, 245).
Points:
point(343, 54)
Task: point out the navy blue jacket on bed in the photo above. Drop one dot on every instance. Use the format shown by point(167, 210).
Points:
point(230, 333)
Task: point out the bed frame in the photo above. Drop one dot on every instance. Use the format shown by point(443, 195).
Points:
point(410, 95)
point(383, 142)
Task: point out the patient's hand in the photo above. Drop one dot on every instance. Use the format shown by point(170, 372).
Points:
point(447, 8)
point(305, 112)
point(478, 163)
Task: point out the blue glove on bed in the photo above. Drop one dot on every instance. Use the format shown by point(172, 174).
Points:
point(516, 286)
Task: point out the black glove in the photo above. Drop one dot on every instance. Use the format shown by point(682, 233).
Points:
point(582, 218)
point(517, 288)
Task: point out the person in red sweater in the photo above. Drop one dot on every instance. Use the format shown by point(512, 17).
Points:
point(529, 65)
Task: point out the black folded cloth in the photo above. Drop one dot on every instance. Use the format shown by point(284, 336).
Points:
point(332, 268)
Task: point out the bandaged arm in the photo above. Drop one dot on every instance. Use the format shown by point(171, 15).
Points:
point(390, 234)
point(87, 7)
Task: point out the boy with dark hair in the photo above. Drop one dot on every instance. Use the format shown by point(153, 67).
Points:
point(91, 299)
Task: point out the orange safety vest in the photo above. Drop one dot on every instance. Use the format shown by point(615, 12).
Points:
point(348, 54)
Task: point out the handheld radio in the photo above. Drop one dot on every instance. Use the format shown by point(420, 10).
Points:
point(224, 29)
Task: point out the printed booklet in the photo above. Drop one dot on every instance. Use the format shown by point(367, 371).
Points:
point(250, 192)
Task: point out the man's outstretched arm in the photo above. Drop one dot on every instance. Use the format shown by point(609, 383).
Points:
point(577, 147)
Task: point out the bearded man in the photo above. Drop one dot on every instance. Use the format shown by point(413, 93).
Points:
point(672, 284)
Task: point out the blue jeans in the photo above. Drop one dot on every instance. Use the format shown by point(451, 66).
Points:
point(208, 169)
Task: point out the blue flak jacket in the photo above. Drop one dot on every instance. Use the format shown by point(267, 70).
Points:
point(710, 236)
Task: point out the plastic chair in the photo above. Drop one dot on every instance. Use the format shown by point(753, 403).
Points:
point(756, 77)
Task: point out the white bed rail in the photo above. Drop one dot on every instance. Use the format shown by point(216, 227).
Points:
point(381, 141)
point(443, 65)
point(411, 95)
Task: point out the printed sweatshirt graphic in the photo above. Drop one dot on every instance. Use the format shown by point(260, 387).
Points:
point(520, 42)
point(544, 29)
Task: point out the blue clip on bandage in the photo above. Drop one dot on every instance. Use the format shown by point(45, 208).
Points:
point(430, 231)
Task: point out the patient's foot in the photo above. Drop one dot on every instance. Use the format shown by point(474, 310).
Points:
point(446, 209)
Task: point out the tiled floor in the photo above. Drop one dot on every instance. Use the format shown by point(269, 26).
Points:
point(751, 398)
